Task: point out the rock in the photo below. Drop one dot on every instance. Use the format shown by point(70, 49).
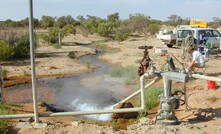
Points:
point(72, 55)
point(76, 123)
point(124, 115)
point(51, 107)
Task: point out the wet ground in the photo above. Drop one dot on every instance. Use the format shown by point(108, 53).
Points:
point(84, 92)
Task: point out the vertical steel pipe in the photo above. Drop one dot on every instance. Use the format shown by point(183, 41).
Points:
point(32, 58)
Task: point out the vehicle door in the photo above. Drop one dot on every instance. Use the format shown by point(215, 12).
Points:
point(212, 36)
point(182, 34)
point(217, 38)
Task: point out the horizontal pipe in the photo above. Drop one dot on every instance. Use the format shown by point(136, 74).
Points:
point(124, 110)
point(198, 76)
point(16, 116)
point(138, 91)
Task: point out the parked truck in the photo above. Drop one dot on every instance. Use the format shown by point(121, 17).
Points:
point(199, 32)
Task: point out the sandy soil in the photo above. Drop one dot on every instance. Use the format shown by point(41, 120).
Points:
point(51, 61)
point(204, 118)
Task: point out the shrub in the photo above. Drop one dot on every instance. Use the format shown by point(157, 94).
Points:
point(53, 34)
point(129, 72)
point(15, 43)
point(104, 29)
point(69, 29)
point(153, 28)
point(5, 50)
point(3, 123)
point(22, 47)
point(151, 95)
point(56, 45)
point(120, 36)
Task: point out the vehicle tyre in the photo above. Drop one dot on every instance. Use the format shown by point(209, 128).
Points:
point(170, 45)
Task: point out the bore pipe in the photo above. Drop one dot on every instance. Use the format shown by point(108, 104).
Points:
point(198, 76)
point(138, 91)
point(16, 116)
point(124, 110)
point(32, 59)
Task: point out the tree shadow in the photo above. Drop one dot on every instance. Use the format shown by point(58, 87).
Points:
point(17, 62)
point(204, 115)
point(214, 74)
point(49, 54)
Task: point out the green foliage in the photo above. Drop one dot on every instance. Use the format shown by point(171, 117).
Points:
point(64, 20)
point(47, 21)
point(175, 20)
point(3, 123)
point(128, 72)
point(22, 47)
point(5, 73)
point(53, 34)
point(56, 45)
point(104, 29)
point(151, 95)
point(215, 23)
point(69, 29)
point(153, 28)
point(5, 50)
point(138, 23)
point(120, 36)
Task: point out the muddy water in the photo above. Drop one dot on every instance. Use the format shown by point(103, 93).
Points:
point(84, 92)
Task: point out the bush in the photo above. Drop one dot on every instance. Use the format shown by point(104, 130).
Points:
point(69, 29)
point(151, 96)
point(104, 29)
point(129, 73)
point(153, 28)
point(120, 36)
point(53, 34)
point(3, 123)
point(5, 50)
point(14, 44)
point(56, 45)
point(22, 47)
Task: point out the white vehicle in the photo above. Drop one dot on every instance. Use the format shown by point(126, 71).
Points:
point(167, 37)
point(200, 35)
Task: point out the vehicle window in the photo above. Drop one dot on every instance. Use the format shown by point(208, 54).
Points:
point(206, 33)
point(184, 33)
point(216, 33)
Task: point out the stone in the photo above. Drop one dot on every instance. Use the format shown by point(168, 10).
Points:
point(124, 115)
point(72, 55)
point(23, 125)
point(40, 125)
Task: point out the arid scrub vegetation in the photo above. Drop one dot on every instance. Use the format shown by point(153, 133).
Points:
point(14, 41)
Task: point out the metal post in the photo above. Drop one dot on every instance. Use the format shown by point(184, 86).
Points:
point(59, 38)
point(32, 58)
point(1, 85)
point(167, 87)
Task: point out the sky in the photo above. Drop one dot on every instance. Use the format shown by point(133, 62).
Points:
point(157, 9)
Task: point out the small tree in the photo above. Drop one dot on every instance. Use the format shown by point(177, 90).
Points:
point(69, 29)
point(47, 21)
point(104, 29)
point(153, 28)
point(5, 50)
point(120, 36)
point(22, 47)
